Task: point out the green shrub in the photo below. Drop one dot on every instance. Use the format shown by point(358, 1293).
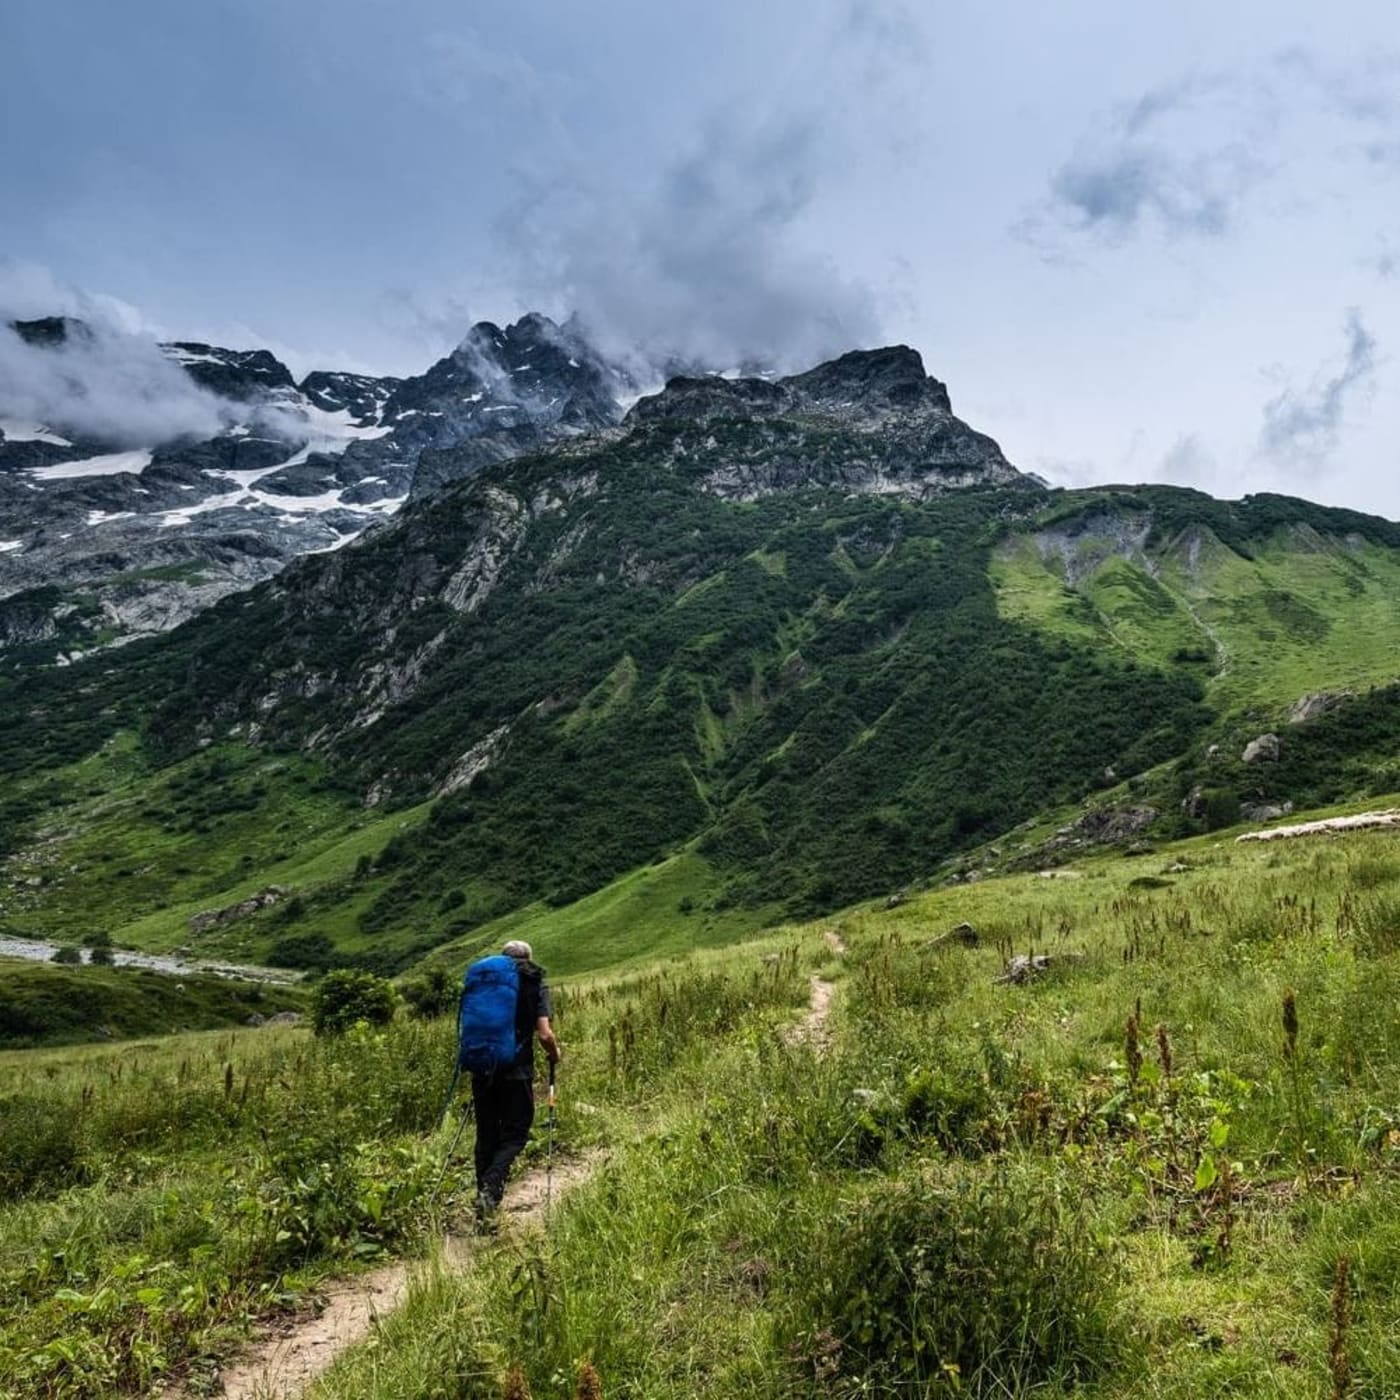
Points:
point(313, 952)
point(1220, 807)
point(68, 955)
point(964, 1283)
point(344, 997)
point(40, 1144)
point(434, 994)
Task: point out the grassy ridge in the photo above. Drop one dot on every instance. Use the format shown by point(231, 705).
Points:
point(44, 1004)
point(1301, 611)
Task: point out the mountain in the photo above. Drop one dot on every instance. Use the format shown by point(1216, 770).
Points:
point(760, 648)
point(104, 540)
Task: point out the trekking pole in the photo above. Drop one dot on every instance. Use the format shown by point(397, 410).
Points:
point(447, 1160)
point(549, 1152)
point(451, 1090)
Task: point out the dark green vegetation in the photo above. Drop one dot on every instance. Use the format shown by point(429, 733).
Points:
point(52, 1004)
point(348, 997)
point(702, 675)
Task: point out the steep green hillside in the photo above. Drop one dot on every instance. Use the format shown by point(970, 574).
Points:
point(1271, 599)
point(751, 656)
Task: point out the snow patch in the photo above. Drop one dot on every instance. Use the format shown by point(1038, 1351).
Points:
point(7, 545)
point(15, 431)
point(109, 464)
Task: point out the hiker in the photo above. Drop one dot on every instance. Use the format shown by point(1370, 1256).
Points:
point(504, 1096)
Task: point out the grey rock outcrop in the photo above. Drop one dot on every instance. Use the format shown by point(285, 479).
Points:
point(1264, 749)
point(870, 422)
point(1319, 702)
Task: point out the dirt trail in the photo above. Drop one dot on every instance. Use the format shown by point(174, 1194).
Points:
point(812, 1028)
point(282, 1363)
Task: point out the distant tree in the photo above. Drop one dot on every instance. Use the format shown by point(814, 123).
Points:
point(434, 994)
point(100, 949)
point(346, 996)
point(67, 955)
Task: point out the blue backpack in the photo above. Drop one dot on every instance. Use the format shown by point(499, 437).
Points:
point(486, 1033)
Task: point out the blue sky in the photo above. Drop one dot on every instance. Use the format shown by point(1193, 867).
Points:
point(1139, 243)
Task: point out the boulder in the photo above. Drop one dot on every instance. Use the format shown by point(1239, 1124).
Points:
point(1264, 749)
point(255, 1020)
point(1264, 811)
point(212, 918)
point(1023, 967)
point(285, 1018)
point(963, 934)
point(1319, 702)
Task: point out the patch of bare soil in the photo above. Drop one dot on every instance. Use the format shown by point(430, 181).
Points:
point(812, 1028)
point(1362, 821)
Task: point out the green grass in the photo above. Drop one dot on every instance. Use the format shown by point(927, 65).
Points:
point(978, 1168)
point(45, 1004)
point(660, 911)
point(1304, 611)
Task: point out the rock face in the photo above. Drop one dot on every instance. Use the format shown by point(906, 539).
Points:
point(871, 422)
point(1264, 749)
point(213, 918)
point(1320, 702)
point(102, 543)
point(1106, 825)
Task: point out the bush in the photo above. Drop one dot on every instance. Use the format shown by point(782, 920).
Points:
point(348, 996)
point(39, 1144)
point(68, 955)
point(312, 952)
point(432, 995)
point(971, 1282)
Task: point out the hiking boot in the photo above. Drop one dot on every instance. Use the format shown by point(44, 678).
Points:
point(486, 1222)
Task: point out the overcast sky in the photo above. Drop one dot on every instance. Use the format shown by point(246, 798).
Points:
point(1138, 242)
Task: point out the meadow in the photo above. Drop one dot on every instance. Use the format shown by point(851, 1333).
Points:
point(1167, 1166)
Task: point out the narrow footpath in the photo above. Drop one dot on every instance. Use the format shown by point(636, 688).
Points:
point(291, 1354)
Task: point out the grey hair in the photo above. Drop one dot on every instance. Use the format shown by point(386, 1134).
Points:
point(518, 948)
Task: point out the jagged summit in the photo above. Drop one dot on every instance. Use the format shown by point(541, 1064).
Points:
point(869, 421)
point(869, 383)
point(286, 469)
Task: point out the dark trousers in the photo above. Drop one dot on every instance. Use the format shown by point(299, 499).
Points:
point(505, 1108)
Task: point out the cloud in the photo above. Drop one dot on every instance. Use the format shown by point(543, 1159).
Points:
point(1185, 157)
point(1189, 462)
point(109, 381)
point(702, 264)
point(714, 256)
point(1180, 158)
point(1302, 426)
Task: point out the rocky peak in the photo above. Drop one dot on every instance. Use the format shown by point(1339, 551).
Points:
point(892, 378)
point(362, 396)
point(872, 384)
point(241, 375)
point(871, 421)
point(51, 331)
point(501, 392)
